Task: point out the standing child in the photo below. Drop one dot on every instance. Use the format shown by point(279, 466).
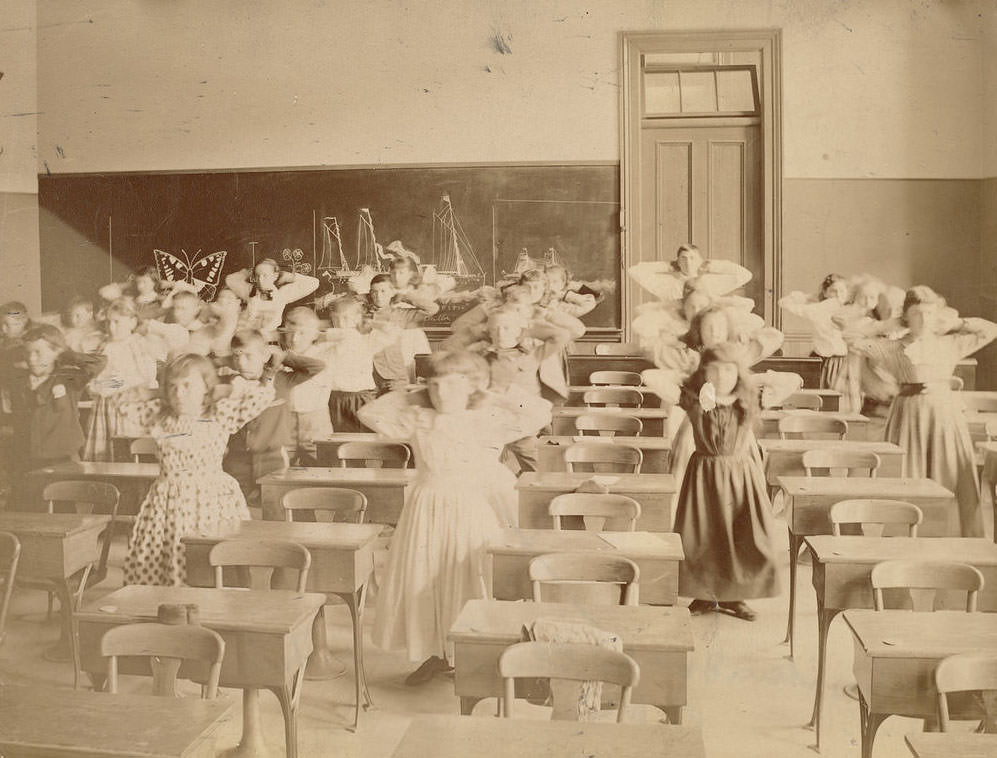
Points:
point(267, 293)
point(722, 512)
point(310, 399)
point(394, 366)
point(261, 446)
point(437, 558)
point(350, 361)
point(192, 495)
point(43, 396)
point(130, 369)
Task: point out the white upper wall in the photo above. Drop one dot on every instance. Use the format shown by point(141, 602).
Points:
point(18, 97)
point(871, 88)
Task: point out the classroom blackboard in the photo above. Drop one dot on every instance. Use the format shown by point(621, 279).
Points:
point(96, 228)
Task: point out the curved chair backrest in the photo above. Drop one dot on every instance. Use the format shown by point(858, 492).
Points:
point(990, 429)
point(628, 378)
point(586, 568)
point(86, 497)
point(609, 424)
point(374, 454)
point(803, 401)
point(10, 554)
point(923, 580)
point(617, 348)
point(572, 661)
point(143, 447)
point(873, 516)
point(280, 555)
point(594, 509)
point(324, 504)
point(603, 457)
point(956, 383)
point(812, 426)
point(613, 398)
point(166, 646)
point(974, 672)
point(830, 462)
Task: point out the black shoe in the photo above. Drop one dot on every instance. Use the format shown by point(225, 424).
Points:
point(739, 609)
point(699, 607)
point(429, 668)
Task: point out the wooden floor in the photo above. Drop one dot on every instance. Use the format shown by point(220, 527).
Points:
point(749, 699)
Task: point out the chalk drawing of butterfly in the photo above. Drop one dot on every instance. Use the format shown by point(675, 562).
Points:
point(293, 259)
point(204, 273)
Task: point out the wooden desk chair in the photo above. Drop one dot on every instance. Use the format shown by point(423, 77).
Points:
point(612, 398)
point(803, 401)
point(872, 516)
point(83, 497)
point(956, 383)
point(924, 579)
point(609, 425)
point(603, 457)
point(10, 554)
point(839, 462)
point(970, 673)
point(572, 661)
point(629, 378)
point(144, 450)
point(282, 556)
point(374, 455)
point(324, 504)
point(811, 427)
point(586, 568)
point(618, 348)
point(594, 510)
point(167, 646)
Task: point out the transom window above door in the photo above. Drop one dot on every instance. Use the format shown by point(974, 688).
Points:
point(695, 90)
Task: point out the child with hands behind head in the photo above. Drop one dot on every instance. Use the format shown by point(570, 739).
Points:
point(192, 495)
point(266, 293)
point(437, 560)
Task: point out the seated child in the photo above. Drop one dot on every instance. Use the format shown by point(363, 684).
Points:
point(186, 332)
point(79, 327)
point(261, 446)
point(394, 367)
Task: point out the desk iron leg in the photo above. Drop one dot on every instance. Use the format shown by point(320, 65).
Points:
point(355, 602)
point(795, 544)
point(289, 699)
point(824, 619)
point(870, 725)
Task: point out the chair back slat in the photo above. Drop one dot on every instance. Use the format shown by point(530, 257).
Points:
point(603, 457)
point(923, 580)
point(630, 378)
point(874, 516)
point(618, 348)
point(812, 426)
point(609, 424)
point(974, 673)
point(143, 448)
point(314, 504)
point(594, 509)
point(281, 556)
point(613, 398)
point(374, 455)
point(803, 401)
point(586, 568)
point(831, 462)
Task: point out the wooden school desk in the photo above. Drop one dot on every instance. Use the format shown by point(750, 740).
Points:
point(809, 501)
point(858, 425)
point(267, 641)
point(63, 723)
point(131, 479)
point(896, 653)
point(653, 419)
point(654, 492)
point(576, 393)
point(459, 737)
point(327, 450)
point(951, 745)
point(785, 457)
point(550, 453)
point(384, 487)
point(342, 562)
point(842, 568)
point(657, 555)
point(55, 546)
point(659, 639)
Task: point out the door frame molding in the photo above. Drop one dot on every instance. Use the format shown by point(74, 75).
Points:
point(767, 42)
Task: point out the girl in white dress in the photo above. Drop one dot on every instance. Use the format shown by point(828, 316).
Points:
point(436, 561)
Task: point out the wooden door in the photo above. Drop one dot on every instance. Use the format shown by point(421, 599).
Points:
point(702, 184)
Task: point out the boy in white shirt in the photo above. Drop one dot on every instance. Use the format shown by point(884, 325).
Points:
point(310, 399)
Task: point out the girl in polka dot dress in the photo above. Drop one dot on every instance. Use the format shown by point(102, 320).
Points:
point(192, 494)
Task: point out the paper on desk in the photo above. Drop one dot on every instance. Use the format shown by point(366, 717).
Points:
point(632, 541)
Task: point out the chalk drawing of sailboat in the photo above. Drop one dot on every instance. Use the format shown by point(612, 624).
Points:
point(333, 264)
point(370, 252)
point(453, 254)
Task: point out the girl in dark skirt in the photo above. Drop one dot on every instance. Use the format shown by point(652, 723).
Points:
point(723, 512)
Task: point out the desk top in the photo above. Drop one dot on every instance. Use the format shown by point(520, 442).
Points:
point(94, 469)
point(50, 524)
point(461, 736)
point(952, 744)
point(906, 634)
point(317, 475)
point(341, 437)
point(872, 550)
point(660, 545)
point(770, 445)
point(774, 414)
point(314, 536)
point(644, 443)
point(63, 722)
point(266, 611)
point(572, 411)
point(642, 627)
point(564, 481)
point(898, 488)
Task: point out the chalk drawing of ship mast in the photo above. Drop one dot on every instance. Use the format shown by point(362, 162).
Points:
point(452, 251)
point(332, 248)
point(370, 252)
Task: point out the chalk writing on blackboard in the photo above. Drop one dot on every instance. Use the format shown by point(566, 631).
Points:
point(203, 273)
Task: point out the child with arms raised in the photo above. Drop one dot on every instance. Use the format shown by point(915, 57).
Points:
point(437, 558)
point(267, 293)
